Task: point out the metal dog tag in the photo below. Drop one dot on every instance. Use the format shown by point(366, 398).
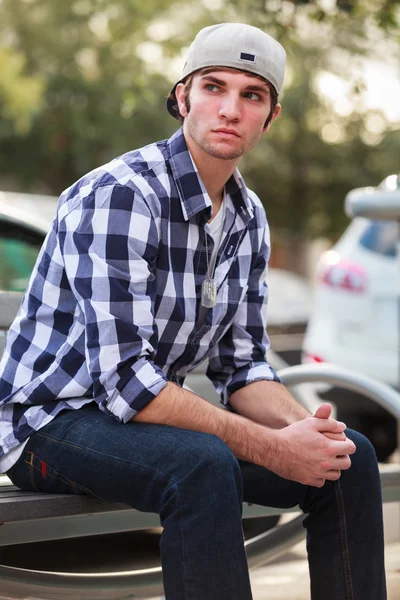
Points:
point(208, 293)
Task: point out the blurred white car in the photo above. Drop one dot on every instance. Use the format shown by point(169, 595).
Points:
point(354, 320)
point(289, 298)
point(24, 222)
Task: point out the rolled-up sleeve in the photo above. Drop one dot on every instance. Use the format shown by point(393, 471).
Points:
point(239, 358)
point(109, 245)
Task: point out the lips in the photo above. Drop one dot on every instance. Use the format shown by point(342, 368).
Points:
point(227, 132)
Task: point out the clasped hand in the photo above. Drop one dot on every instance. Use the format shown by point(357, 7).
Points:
point(315, 449)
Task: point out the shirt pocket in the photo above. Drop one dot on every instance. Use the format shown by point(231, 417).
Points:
point(229, 299)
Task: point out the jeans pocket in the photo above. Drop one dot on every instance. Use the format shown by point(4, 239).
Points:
point(34, 474)
point(21, 473)
point(45, 478)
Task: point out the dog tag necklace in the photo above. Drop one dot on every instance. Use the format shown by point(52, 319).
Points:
point(209, 286)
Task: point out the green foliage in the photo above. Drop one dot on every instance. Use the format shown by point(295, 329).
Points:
point(20, 95)
point(94, 97)
point(78, 86)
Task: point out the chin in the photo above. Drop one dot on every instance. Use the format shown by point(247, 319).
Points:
point(226, 154)
point(223, 153)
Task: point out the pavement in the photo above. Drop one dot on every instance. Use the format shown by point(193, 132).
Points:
point(288, 578)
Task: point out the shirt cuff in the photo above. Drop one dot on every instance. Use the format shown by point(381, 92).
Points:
point(256, 371)
point(147, 382)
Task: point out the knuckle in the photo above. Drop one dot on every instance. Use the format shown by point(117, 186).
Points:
point(331, 450)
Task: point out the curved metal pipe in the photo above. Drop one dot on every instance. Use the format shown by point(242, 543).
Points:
point(304, 393)
point(145, 583)
point(378, 391)
point(24, 583)
point(273, 543)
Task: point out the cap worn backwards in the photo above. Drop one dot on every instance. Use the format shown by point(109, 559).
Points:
point(238, 46)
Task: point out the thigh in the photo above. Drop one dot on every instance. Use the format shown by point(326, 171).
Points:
point(265, 488)
point(88, 452)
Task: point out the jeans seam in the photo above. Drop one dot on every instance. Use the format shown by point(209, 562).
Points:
point(131, 462)
point(184, 565)
point(344, 541)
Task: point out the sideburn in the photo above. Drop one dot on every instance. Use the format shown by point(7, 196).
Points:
point(187, 99)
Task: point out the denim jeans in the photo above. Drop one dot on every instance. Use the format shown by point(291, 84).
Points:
point(197, 486)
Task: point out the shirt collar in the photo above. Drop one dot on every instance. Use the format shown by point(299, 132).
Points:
point(191, 190)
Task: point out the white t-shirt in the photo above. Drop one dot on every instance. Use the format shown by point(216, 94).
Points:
point(215, 227)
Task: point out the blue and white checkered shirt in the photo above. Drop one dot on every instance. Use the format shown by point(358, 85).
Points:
point(110, 313)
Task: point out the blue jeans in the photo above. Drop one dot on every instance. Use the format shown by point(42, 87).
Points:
point(197, 486)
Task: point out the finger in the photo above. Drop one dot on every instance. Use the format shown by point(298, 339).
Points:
point(337, 464)
point(333, 474)
point(343, 463)
point(329, 425)
point(317, 482)
point(324, 411)
point(339, 448)
point(335, 436)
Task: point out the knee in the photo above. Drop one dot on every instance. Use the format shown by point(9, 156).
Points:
point(365, 449)
point(212, 463)
point(216, 456)
point(364, 459)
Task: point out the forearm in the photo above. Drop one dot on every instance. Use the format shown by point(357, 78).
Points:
point(178, 407)
point(268, 403)
point(298, 452)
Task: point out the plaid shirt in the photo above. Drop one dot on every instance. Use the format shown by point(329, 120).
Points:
point(110, 313)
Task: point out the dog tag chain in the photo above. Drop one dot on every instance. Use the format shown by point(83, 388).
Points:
point(209, 286)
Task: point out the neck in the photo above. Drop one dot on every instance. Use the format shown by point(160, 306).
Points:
point(214, 172)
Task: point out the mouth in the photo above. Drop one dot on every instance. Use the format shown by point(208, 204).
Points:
point(227, 133)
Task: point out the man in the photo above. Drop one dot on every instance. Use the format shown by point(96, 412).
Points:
point(155, 262)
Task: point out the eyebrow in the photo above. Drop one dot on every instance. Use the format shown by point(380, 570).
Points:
point(253, 87)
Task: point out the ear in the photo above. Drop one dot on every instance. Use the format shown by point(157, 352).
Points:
point(275, 115)
point(180, 98)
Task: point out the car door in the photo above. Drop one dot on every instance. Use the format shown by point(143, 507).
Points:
point(19, 247)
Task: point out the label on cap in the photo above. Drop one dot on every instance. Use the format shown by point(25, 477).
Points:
point(247, 57)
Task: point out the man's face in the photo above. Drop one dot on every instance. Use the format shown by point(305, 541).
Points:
point(228, 110)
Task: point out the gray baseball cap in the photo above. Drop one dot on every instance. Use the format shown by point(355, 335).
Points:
point(235, 45)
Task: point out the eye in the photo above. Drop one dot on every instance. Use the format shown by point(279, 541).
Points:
point(211, 87)
point(253, 96)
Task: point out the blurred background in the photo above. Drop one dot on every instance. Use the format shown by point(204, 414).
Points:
point(83, 81)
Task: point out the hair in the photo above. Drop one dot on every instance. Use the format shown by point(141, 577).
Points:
point(188, 81)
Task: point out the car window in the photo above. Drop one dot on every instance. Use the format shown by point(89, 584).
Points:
point(381, 237)
point(17, 258)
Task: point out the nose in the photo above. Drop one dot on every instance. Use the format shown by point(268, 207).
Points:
point(230, 107)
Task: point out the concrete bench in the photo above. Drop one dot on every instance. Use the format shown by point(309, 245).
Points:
point(29, 518)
